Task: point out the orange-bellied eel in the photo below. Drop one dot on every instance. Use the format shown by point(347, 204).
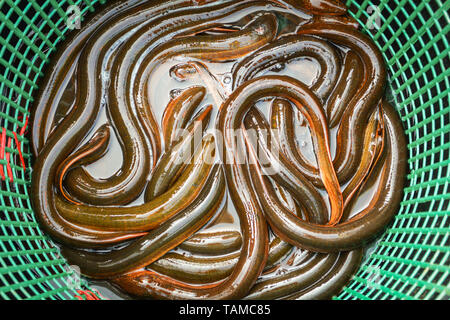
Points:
point(283, 129)
point(117, 187)
point(373, 146)
point(199, 269)
point(282, 171)
point(370, 182)
point(151, 214)
point(289, 48)
point(253, 253)
point(316, 276)
point(136, 12)
point(361, 228)
point(169, 165)
point(288, 200)
point(208, 269)
point(231, 116)
point(319, 7)
point(282, 50)
point(199, 18)
point(218, 242)
point(345, 20)
point(351, 129)
point(320, 277)
point(179, 111)
point(310, 106)
point(350, 80)
point(94, 149)
point(343, 99)
point(219, 48)
point(207, 261)
point(194, 268)
point(249, 265)
point(156, 243)
point(174, 160)
point(126, 16)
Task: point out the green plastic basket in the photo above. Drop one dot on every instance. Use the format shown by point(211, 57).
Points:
point(410, 260)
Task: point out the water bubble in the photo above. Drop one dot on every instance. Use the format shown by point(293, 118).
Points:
point(303, 144)
point(278, 67)
point(105, 76)
point(174, 93)
point(281, 271)
point(226, 79)
point(260, 30)
point(301, 118)
point(182, 71)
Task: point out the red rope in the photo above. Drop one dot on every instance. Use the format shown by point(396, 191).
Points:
point(8, 165)
point(88, 294)
point(20, 151)
point(2, 151)
point(23, 129)
point(8, 155)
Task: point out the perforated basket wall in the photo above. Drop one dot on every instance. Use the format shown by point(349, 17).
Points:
point(410, 261)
